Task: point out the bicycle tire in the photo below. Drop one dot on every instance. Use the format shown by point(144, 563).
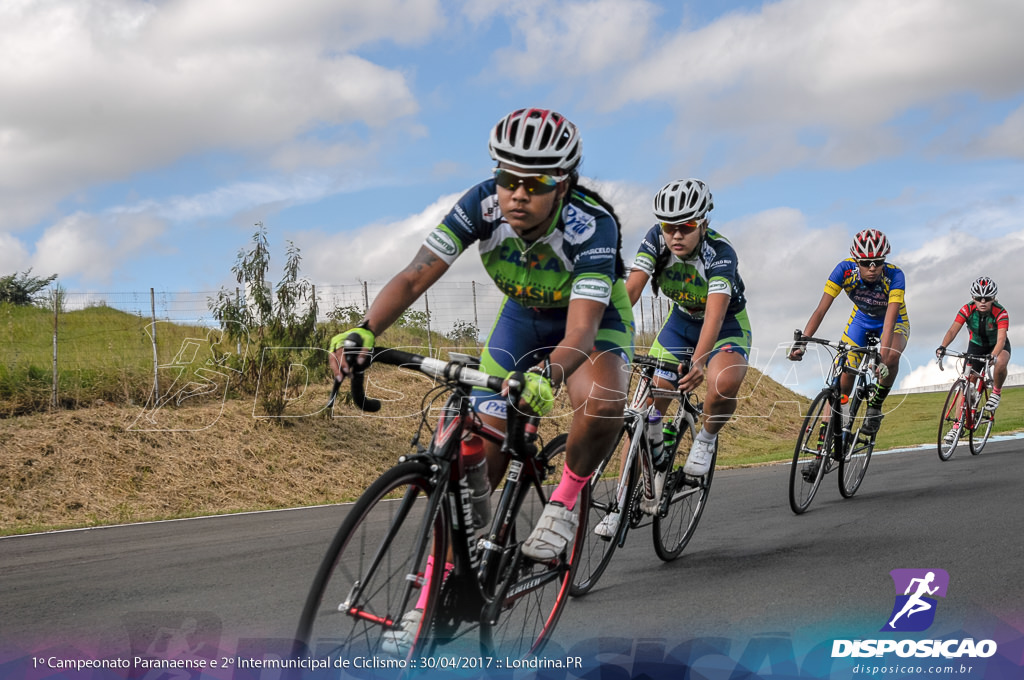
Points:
point(596, 551)
point(953, 411)
point(683, 503)
point(809, 450)
point(854, 463)
point(979, 434)
point(534, 593)
point(387, 521)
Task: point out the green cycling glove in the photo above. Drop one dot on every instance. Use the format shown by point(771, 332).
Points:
point(364, 334)
point(537, 394)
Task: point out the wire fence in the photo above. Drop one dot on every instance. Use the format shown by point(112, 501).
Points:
point(124, 331)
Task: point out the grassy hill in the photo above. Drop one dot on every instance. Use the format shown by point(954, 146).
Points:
point(113, 464)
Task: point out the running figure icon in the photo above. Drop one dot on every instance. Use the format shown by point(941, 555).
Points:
point(915, 604)
point(917, 592)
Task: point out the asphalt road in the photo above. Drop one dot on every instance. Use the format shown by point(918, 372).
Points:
point(753, 568)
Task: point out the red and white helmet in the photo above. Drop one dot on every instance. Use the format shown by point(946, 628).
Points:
point(538, 139)
point(683, 200)
point(870, 244)
point(983, 286)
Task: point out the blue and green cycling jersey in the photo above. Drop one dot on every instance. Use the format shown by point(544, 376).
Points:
point(713, 269)
point(575, 258)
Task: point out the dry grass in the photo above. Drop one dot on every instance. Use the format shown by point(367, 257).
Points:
point(105, 465)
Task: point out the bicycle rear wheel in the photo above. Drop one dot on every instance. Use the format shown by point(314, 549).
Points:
point(950, 423)
point(810, 457)
point(854, 463)
point(533, 594)
point(983, 421)
point(683, 500)
point(596, 551)
point(375, 569)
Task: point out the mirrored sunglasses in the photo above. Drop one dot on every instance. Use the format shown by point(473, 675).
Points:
point(871, 264)
point(684, 227)
point(534, 183)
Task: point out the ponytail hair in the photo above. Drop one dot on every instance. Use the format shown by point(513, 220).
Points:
point(574, 185)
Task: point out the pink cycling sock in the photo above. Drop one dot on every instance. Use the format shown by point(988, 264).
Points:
point(569, 488)
point(427, 571)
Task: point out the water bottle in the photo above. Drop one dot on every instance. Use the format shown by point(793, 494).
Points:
point(669, 435)
point(656, 437)
point(475, 463)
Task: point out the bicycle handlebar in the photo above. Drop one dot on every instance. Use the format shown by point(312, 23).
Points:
point(661, 364)
point(987, 358)
point(872, 346)
point(448, 371)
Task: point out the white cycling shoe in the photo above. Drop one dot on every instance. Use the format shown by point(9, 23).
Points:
point(699, 461)
point(608, 526)
point(555, 528)
point(398, 642)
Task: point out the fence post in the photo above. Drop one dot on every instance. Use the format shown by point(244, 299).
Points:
point(476, 319)
point(430, 345)
point(53, 391)
point(366, 299)
point(238, 306)
point(156, 359)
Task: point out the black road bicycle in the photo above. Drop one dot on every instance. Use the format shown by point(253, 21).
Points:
point(621, 486)
point(412, 529)
point(832, 432)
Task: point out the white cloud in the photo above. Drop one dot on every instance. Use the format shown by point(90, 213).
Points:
point(578, 38)
point(94, 92)
point(93, 246)
point(13, 255)
point(754, 82)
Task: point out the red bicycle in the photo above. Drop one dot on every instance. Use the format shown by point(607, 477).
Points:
point(965, 409)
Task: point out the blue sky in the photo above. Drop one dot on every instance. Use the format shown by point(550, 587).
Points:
point(140, 141)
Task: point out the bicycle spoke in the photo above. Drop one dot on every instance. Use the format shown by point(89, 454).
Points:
point(374, 572)
point(683, 504)
point(812, 454)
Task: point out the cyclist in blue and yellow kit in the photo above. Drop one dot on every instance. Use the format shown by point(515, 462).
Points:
point(698, 270)
point(877, 289)
point(552, 247)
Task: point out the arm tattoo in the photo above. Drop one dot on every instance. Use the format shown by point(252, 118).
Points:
point(425, 259)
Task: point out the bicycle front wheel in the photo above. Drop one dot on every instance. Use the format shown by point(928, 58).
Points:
point(854, 463)
point(533, 594)
point(813, 447)
point(953, 412)
point(375, 570)
point(606, 484)
point(682, 501)
point(983, 421)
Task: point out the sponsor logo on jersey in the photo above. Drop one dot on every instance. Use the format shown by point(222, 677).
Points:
point(579, 226)
point(462, 218)
point(598, 289)
point(441, 241)
point(489, 210)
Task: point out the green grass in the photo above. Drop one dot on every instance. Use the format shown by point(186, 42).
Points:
point(914, 418)
point(102, 354)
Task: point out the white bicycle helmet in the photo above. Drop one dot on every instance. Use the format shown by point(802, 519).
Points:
point(682, 201)
point(983, 286)
point(538, 139)
point(870, 244)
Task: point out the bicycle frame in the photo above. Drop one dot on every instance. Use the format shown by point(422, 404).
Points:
point(975, 380)
point(635, 420)
point(479, 592)
point(864, 381)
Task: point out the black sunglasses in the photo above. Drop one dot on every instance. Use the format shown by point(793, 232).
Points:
point(984, 299)
point(871, 264)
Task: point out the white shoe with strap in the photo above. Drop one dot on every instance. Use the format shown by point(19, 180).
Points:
point(555, 528)
point(699, 461)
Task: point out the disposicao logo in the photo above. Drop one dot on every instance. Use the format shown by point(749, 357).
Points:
point(916, 590)
point(914, 611)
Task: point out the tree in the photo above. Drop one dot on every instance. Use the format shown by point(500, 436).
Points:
point(22, 289)
point(284, 319)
